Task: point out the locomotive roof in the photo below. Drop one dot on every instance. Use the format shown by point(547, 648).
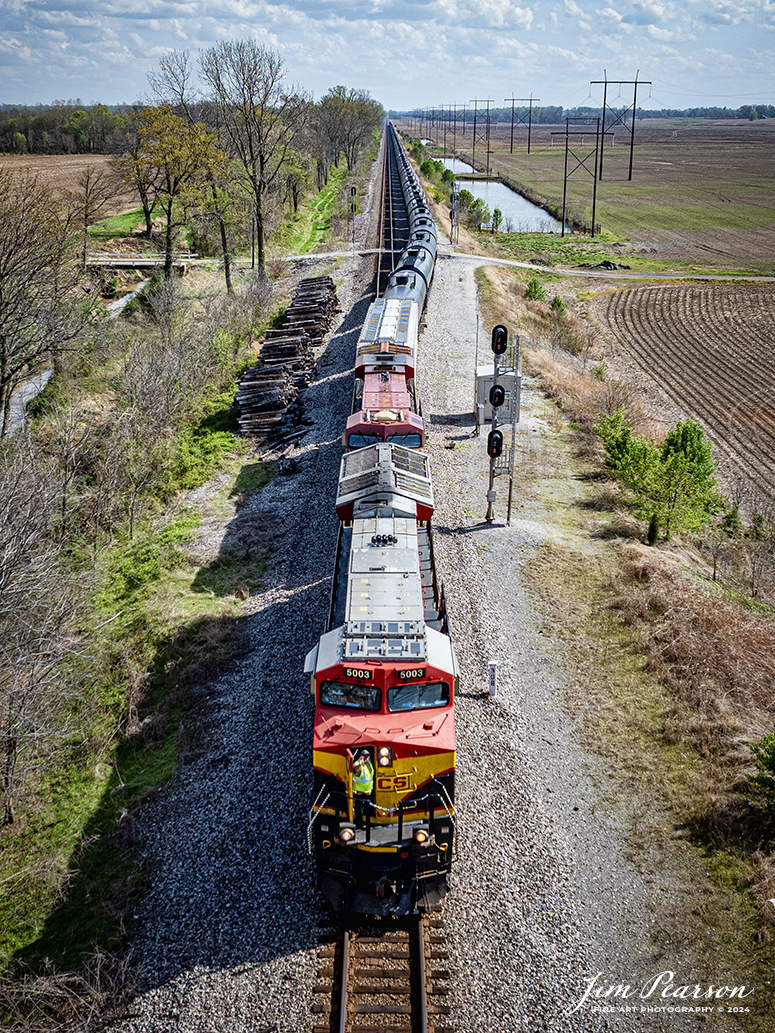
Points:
point(385, 468)
point(390, 319)
point(397, 641)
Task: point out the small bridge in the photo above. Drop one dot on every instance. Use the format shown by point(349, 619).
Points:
point(145, 261)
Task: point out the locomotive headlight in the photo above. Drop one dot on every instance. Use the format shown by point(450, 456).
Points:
point(421, 835)
point(346, 834)
point(385, 757)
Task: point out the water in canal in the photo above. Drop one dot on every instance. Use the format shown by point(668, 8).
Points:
point(519, 215)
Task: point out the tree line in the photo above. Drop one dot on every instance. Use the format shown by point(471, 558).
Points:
point(555, 114)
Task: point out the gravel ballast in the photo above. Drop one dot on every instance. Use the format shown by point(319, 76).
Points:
point(543, 897)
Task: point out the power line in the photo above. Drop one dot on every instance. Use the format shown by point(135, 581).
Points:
point(618, 117)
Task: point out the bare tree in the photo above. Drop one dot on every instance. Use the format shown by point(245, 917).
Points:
point(348, 117)
point(66, 439)
point(96, 190)
point(39, 313)
point(37, 605)
point(258, 115)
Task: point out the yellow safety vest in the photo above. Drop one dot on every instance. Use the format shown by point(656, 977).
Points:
point(364, 782)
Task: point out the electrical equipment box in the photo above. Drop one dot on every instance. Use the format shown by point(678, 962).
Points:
point(511, 381)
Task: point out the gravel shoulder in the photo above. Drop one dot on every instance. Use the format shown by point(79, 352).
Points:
point(543, 897)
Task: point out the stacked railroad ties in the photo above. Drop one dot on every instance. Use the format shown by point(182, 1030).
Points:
point(267, 396)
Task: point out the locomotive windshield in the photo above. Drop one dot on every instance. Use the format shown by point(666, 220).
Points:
point(354, 697)
point(363, 440)
point(407, 440)
point(421, 696)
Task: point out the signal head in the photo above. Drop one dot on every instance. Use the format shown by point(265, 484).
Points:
point(500, 339)
point(494, 444)
point(497, 395)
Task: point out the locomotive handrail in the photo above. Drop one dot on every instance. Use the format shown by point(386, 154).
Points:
point(411, 804)
point(314, 814)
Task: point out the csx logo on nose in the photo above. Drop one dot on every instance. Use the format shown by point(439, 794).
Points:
point(394, 783)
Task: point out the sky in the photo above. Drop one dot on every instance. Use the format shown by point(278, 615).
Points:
point(406, 53)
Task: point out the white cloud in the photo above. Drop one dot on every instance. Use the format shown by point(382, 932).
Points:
point(405, 52)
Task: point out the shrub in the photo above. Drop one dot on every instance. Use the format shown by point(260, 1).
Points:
point(534, 291)
point(672, 487)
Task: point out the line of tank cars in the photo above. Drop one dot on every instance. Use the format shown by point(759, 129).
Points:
point(384, 675)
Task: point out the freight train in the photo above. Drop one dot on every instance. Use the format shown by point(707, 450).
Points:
point(383, 825)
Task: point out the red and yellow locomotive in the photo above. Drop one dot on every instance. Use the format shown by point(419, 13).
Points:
point(384, 677)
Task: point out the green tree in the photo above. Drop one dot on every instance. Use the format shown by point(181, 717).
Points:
point(688, 495)
point(672, 487)
point(534, 291)
point(78, 127)
point(186, 157)
point(171, 83)
point(478, 213)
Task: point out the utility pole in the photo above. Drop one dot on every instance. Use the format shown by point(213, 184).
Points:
point(618, 117)
point(521, 118)
point(581, 163)
point(484, 137)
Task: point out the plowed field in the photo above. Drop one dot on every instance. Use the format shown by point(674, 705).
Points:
point(62, 171)
point(711, 349)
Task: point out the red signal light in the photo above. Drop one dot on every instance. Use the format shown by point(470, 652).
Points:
point(500, 339)
point(494, 444)
point(497, 395)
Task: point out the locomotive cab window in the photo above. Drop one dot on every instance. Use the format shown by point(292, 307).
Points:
point(363, 440)
point(421, 696)
point(407, 440)
point(353, 697)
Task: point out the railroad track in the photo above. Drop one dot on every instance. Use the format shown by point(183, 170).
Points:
point(390, 977)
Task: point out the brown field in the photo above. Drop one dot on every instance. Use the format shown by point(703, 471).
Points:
point(711, 349)
point(61, 173)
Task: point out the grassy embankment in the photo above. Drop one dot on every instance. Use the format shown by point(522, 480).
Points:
point(155, 616)
point(310, 227)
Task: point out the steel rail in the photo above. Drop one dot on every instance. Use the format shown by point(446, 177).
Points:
point(422, 986)
point(345, 978)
